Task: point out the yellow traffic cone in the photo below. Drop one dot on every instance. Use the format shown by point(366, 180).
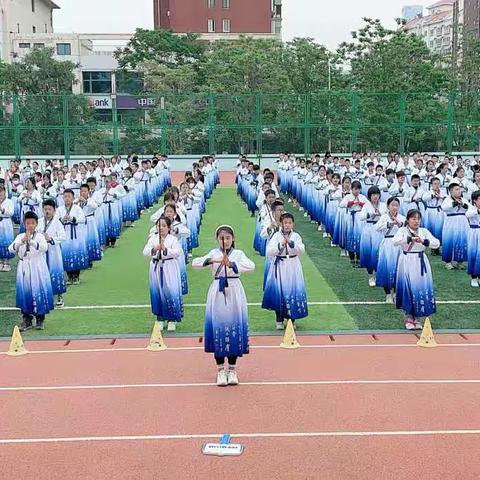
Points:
point(17, 347)
point(289, 339)
point(156, 340)
point(426, 338)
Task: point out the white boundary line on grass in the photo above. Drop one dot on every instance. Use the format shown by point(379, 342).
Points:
point(207, 436)
point(192, 305)
point(59, 388)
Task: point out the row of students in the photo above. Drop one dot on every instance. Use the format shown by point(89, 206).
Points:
point(283, 286)
point(74, 233)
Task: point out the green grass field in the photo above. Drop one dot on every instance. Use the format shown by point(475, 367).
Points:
point(121, 278)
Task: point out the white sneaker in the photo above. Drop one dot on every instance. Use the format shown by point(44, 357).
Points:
point(222, 378)
point(60, 303)
point(232, 377)
point(301, 209)
point(161, 325)
point(279, 325)
point(461, 266)
point(409, 323)
point(449, 266)
point(389, 298)
point(289, 200)
point(7, 268)
point(343, 253)
point(418, 324)
point(332, 244)
point(325, 235)
point(305, 214)
point(372, 281)
point(474, 282)
point(319, 228)
point(172, 326)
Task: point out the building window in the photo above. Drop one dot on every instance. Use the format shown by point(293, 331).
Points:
point(211, 25)
point(211, 3)
point(225, 3)
point(64, 49)
point(38, 45)
point(46, 28)
point(97, 82)
point(18, 28)
point(34, 29)
point(24, 45)
point(226, 25)
point(33, 5)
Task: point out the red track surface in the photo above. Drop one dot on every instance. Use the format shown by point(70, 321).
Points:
point(269, 406)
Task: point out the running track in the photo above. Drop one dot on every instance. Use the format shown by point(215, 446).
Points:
point(342, 407)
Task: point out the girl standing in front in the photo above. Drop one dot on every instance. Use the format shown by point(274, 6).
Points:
point(414, 285)
point(473, 216)
point(226, 316)
point(165, 284)
point(285, 287)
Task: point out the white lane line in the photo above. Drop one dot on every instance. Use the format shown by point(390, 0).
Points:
point(59, 388)
point(256, 347)
point(202, 305)
point(207, 436)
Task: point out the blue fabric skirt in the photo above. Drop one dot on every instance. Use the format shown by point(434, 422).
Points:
point(414, 286)
point(387, 264)
point(455, 239)
point(55, 267)
point(474, 251)
point(7, 236)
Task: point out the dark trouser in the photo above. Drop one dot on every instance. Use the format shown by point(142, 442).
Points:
point(111, 241)
point(281, 319)
point(475, 276)
point(436, 251)
point(28, 318)
point(353, 256)
point(73, 275)
point(387, 291)
point(232, 360)
point(370, 271)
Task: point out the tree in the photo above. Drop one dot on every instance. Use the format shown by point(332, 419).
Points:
point(388, 62)
point(160, 46)
point(466, 82)
point(42, 87)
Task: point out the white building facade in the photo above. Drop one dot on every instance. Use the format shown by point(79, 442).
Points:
point(436, 28)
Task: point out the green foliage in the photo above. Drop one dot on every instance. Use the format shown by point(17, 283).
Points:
point(160, 46)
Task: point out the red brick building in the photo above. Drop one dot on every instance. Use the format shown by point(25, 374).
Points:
point(216, 19)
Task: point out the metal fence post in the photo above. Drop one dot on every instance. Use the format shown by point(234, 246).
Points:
point(451, 122)
point(211, 123)
point(259, 126)
point(16, 125)
point(355, 126)
point(116, 139)
point(66, 130)
point(403, 112)
point(163, 127)
point(307, 129)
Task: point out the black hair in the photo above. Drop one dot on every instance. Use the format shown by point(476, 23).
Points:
point(167, 221)
point(336, 175)
point(389, 171)
point(30, 215)
point(228, 230)
point(167, 197)
point(174, 208)
point(277, 203)
point(452, 186)
point(475, 195)
point(68, 190)
point(356, 184)
point(433, 179)
point(49, 202)
point(392, 199)
point(372, 191)
point(269, 192)
point(287, 216)
point(411, 213)
point(414, 176)
point(92, 180)
point(401, 173)
point(34, 182)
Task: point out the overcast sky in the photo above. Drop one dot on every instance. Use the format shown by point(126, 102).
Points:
point(329, 22)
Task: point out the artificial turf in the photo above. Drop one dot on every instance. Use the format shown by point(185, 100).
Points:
point(121, 278)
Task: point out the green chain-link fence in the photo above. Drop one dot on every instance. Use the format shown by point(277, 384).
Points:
point(232, 123)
